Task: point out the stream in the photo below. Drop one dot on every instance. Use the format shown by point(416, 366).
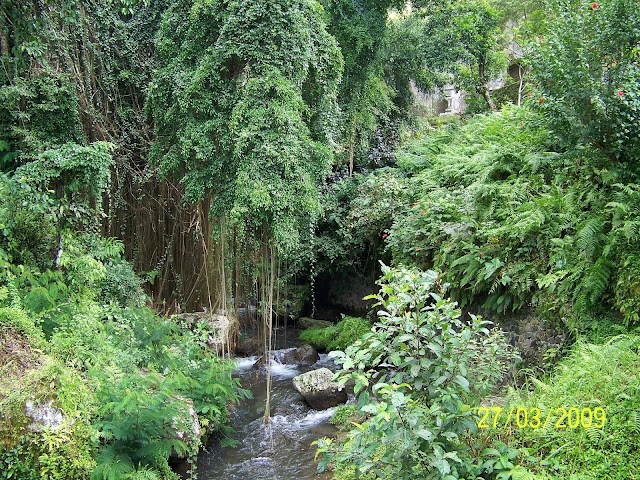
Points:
point(280, 450)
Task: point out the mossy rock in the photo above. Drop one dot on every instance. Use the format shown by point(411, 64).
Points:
point(319, 389)
point(307, 322)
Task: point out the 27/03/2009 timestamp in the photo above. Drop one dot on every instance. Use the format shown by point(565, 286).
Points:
point(559, 418)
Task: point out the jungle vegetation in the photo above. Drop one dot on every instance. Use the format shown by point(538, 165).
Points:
point(161, 156)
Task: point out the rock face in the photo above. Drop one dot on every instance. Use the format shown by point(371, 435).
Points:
point(319, 390)
point(346, 293)
point(306, 322)
point(195, 431)
point(44, 415)
point(304, 356)
point(223, 328)
point(189, 433)
point(247, 346)
point(537, 341)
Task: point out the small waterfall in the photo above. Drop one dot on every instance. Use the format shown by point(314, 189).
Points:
point(280, 450)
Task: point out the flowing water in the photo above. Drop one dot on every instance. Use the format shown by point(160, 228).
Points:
point(280, 450)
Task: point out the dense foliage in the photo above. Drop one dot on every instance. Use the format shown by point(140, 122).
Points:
point(586, 69)
point(225, 147)
point(358, 211)
point(418, 374)
point(474, 55)
point(128, 386)
point(592, 376)
point(533, 209)
point(244, 120)
point(512, 223)
point(337, 337)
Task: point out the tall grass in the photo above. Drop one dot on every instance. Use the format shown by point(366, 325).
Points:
point(592, 376)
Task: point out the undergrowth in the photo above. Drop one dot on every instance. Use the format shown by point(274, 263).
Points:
point(338, 336)
point(122, 387)
point(513, 223)
point(593, 376)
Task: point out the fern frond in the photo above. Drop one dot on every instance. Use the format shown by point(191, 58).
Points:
point(112, 466)
point(144, 473)
point(597, 279)
point(631, 230)
point(590, 236)
point(594, 434)
point(635, 422)
point(109, 248)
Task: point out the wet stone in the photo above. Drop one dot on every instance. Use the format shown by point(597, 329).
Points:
point(304, 356)
point(306, 322)
point(319, 390)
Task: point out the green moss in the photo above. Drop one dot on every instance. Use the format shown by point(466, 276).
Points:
point(19, 321)
point(64, 452)
point(339, 336)
point(319, 337)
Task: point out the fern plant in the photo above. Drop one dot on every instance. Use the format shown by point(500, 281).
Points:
point(512, 224)
point(140, 421)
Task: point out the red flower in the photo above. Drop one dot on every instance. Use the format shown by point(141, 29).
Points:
point(594, 5)
point(385, 235)
point(620, 93)
point(541, 99)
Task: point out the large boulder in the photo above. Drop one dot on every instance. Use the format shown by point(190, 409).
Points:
point(304, 356)
point(221, 325)
point(319, 390)
point(248, 346)
point(306, 322)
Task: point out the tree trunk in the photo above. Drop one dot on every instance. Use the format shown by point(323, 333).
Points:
point(4, 43)
point(483, 88)
point(487, 96)
point(521, 84)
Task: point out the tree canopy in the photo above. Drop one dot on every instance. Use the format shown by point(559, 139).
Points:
point(245, 108)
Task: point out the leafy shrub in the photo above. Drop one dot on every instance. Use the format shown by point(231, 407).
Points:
point(587, 79)
point(140, 419)
point(171, 371)
point(344, 416)
point(339, 336)
point(13, 315)
point(52, 455)
point(417, 375)
point(118, 374)
point(39, 110)
point(120, 284)
point(358, 210)
point(28, 223)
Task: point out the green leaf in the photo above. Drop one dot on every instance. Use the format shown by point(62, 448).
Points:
point(463, 382)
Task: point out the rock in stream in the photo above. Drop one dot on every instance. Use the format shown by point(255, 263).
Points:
point(319, 390)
